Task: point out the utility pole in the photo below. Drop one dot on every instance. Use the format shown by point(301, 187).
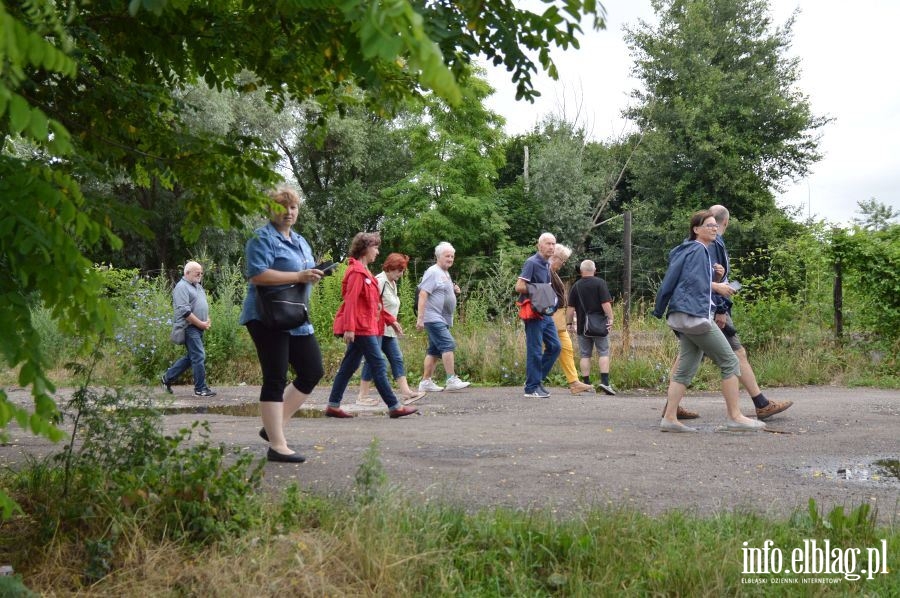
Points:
point(525, 170)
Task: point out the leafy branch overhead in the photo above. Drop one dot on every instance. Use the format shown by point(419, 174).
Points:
point(392, 48)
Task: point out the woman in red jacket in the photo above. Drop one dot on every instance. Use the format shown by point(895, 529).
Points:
point(360, 321)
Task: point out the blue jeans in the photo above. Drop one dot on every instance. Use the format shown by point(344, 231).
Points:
point(370, 348)
point(390, 346)
point(195, 359)
point(440, 340)
point(542, 347)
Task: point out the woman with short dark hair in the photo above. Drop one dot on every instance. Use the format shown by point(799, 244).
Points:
point(392, 270)
point(360, 321)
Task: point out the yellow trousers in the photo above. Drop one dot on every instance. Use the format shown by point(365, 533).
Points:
point(567, 355)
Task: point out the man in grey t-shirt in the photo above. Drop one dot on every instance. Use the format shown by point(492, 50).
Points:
point(191, 313)
point(436, 303)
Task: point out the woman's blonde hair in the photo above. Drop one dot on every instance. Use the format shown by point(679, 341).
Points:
point(562, 252)
point(285, 196)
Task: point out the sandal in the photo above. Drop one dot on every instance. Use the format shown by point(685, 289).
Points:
point(412, 397)
point(368, 402)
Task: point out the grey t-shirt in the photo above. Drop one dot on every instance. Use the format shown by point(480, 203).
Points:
point(441, 302)
point(188, 298)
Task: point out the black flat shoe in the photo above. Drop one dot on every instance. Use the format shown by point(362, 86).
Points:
point(263, 435)
point(275, 456)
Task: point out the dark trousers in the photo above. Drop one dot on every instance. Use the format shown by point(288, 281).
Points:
point(275, 349)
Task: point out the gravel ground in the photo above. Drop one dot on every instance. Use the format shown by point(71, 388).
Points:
point(484, 447)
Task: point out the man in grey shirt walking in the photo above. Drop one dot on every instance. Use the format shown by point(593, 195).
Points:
point(192, 314)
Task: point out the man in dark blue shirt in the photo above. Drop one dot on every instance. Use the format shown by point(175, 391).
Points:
point(542, 345)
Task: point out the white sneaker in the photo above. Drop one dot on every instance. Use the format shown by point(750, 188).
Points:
point(454, 383)
point(428, 385)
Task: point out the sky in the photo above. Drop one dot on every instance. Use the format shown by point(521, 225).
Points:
point(847, 54)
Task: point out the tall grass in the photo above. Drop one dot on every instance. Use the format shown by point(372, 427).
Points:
point(787, 344)
point(375, 542)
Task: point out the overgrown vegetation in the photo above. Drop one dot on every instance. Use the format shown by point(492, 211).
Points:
point(784, 313)
point(372, 541)
point(121, 482)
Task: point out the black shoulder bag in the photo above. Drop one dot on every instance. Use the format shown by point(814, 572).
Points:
point(281, 308)
point(594, 322)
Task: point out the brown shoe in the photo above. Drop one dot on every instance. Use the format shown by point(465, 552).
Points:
point(337, 412)
point(412, 397)
point(772, 408)
point(402, 411)
point(684, 413)
point(577, 387)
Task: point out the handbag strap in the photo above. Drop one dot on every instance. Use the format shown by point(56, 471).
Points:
point(580, 298)
point(554, 278)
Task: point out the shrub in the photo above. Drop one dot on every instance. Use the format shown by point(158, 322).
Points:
point(120, 476)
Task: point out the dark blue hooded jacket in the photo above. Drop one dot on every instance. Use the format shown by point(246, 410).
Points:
point(719, 255)
point(687, 286)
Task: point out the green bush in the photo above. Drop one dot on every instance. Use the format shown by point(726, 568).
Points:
point(120, 472)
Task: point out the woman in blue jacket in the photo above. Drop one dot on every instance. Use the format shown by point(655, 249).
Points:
point(687, 292)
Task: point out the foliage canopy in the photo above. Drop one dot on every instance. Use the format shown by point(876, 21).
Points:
point(88, 93)
point(722, 117)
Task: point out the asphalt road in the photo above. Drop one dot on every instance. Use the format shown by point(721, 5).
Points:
point(485, 447)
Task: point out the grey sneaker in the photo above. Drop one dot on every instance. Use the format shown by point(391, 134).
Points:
point(667, 426)
point(754, 425)
point(454, 383)
point(166, 384)
point(607, 389)
point(537, 393)
point(206, 392)
point(428, 385)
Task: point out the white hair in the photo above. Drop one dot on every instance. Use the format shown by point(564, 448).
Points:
point(587, 266)
point(720, 213)
point(190, 266)
point(562, 252)
point(545, 236)
point(442, 248)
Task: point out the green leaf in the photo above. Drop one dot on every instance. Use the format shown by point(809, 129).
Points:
point(19, 113)
point(37, 125)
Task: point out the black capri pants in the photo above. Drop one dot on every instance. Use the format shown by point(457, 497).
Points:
point(275, 349)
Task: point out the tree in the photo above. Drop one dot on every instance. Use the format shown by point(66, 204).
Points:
point(875, 215)
point(722, 118)
point(91, 87)
point(449, 191)
point(342, 168)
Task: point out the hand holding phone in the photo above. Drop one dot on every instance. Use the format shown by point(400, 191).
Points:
point(327, 267)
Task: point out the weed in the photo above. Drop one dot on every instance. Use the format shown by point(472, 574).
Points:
point(371, 478)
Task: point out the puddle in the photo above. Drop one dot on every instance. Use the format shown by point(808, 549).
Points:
point(853, 473)
point(889, 467)
point(878, 472)
point(242, 410)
